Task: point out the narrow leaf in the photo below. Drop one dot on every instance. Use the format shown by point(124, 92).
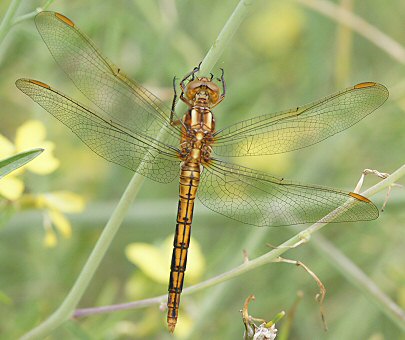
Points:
point(17, 161)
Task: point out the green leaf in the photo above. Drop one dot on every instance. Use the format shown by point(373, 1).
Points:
point(17, 161)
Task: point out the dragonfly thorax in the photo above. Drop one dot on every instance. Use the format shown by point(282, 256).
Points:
point(197, 151)
point(199, 126)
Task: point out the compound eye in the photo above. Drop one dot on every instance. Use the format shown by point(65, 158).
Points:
point(213, 96)
point(192, 88)
point(213, 91)
point(213, 87)
point(191, 93)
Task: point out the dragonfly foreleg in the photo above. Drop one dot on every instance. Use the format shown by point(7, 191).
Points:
point(223, 82)
point(222, 96)
point(188, 75)
point(183, 85)
point(174, 122)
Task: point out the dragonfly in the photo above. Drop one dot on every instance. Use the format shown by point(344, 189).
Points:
point(132, 127)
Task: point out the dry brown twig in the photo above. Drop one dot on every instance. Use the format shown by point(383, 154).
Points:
point(320, 297)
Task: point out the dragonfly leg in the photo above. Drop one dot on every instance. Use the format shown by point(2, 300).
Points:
point(183, 85)
point(188, 75)
point(185, 100)
point(174, 95)
point(222, 79)
point(382, 175)
point(222, 96)
point(174, 122)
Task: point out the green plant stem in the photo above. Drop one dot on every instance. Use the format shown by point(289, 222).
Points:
point(262, 260)
point(8, 18)
point(344, 38)
point(359, 279)
point(31, 14)
point(64, 312)
point(358, 25)
point(226, 34)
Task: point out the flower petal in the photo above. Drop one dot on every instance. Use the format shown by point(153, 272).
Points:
point(154, 261)
point(195, 258)
point(6, 147)
point(30, 134)
point(11, 187)
point(50, 239)
point(61, 223)
point(149, 259)
point(64, 201)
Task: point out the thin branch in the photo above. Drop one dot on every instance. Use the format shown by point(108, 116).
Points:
point(31, 14)
point(269, 257)
point(322, 290)
point(9, 20)
point(359, 25)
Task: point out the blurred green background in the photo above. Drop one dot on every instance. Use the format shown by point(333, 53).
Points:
point(283, 55)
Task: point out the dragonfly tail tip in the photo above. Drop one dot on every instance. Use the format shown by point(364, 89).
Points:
point(172, 325)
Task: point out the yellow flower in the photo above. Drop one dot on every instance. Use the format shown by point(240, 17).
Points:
point(50, 239)
point(32, 134)
point(61, 223)
point(54, 204)
point(29, 135)
point(64, 201)
point(11, 187)
point(154, 262)
point(149, 259)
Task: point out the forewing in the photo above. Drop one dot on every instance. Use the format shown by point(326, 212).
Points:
point(255, 198)
point(298, 128)
point(101, 81)
point(131, 149)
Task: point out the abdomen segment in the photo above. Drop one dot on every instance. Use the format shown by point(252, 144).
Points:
point(189, 180)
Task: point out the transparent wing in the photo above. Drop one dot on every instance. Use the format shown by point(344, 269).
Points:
point(112, 141)
point(298, 128)
point(101, 81)
point(255, 198)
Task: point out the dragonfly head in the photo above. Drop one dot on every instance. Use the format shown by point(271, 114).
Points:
point(203, 90)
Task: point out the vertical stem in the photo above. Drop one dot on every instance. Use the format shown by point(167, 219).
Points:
point(226, 34)
point(66, 309)
point(8, 18)
point(343, 49)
